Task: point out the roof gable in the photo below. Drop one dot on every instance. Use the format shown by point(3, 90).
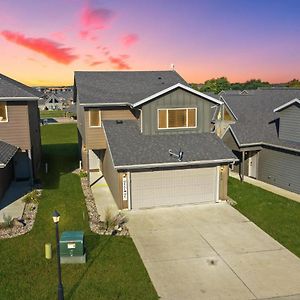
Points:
point(287, 104)
point(7, 152)
point(174, 87)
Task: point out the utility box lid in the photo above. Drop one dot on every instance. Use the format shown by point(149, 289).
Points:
point(72, 243)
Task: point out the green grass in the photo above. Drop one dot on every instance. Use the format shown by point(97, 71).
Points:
point(276, 215)
point(113, 270)
point(51, 113)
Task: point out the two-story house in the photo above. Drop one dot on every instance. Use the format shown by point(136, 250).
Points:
point(149, 133)
point(20, 141)
point(264, 133)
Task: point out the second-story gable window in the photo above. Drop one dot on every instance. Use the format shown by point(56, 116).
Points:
point(177, 118)
point(95, 118)
point(3, 112)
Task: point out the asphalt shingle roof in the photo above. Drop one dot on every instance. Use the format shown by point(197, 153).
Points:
point(129, 146)
point(122, 86)
point(13, 88)
point(7, 152)
point(256, 120)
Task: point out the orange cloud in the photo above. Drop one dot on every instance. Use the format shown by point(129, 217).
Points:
point(129, 39)
point(119, 62)
point(48, 48)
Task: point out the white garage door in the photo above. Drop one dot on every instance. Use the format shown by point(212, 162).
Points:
point(173, 187)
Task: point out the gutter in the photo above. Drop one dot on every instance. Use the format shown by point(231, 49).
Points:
point(106, 104)
point(176, 164)
point(2, 166)
point(19, 98)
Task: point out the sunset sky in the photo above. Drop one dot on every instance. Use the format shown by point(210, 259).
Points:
point(44, 42)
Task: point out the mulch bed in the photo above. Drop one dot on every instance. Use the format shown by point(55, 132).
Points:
point(20, 226)
point(96, 224)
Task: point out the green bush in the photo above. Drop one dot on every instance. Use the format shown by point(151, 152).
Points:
point(32, 197)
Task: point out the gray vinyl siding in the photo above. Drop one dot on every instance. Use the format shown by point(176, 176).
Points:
point(229, 141)
point(280, 169)
point(176, 99)
point(290, 123)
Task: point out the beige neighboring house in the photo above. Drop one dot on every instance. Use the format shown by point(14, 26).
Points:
point(149, 134)
point(20, 139)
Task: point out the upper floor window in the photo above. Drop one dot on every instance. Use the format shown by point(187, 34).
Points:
point(3, 112)
point(173, 118)
point(95, 118)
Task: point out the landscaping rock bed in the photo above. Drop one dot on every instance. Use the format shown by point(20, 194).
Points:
point(16, 227)
point(112, 225)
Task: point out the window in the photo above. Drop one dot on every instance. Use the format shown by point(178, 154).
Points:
point(177, 118)
point(95, 118)
point(3, 112)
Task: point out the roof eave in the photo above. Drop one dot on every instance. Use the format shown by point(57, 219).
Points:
point(175, 164)
point(20, 98)
point(286, 105)
point(106, 104)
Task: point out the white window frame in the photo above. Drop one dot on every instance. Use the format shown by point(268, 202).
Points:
point(5, 104)
point(100, 119)
point(187, 118)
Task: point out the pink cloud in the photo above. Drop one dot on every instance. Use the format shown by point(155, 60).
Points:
point(48, 48)
point(96, 63)
point(94, 19)
point(129, 39)
point(120, 62)
point(60, 36)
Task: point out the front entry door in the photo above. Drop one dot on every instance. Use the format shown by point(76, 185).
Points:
point(253, 166)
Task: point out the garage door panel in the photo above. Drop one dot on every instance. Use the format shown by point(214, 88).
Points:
point(173, 187)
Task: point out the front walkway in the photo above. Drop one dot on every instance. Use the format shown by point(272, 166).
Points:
point(211, 251)
point(102, 195)
point(12, 205)
point(271, 188)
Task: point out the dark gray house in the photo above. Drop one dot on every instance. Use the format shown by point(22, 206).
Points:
point(20, 141)
point(262, 128)
point(149, 134)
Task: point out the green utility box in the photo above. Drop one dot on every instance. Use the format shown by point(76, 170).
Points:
point(72, 248)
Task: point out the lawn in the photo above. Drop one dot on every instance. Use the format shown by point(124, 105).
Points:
point(51, 113)
point(276, 215)
point(113, 270)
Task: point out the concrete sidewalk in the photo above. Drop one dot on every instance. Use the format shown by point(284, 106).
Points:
point(102, 195)
point(268, 187)
point(12, 205)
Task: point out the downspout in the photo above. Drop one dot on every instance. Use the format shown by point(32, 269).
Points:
point(243, 166)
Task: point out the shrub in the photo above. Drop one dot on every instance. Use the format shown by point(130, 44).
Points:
point(82, 174)
point(8, 222)
point(32, 197)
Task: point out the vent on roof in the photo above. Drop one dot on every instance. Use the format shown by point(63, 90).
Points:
point(159, 78)
point(179, 156)
point(119, 122)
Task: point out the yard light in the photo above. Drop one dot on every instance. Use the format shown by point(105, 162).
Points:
point(60, 289)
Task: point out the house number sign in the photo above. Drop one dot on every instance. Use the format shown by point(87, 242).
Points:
point(125, 190)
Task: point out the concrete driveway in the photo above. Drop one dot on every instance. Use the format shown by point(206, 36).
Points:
point(212, 252)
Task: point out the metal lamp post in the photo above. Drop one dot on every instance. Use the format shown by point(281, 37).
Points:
point(60, 289)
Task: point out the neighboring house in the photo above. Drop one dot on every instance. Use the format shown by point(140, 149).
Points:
point(149, 133)
point(263, 130)
point(20, 142)
point(51, 102)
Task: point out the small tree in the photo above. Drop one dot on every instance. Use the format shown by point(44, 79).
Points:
point(216, 85)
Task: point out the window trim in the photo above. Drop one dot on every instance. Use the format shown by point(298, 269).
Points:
point(6, 112)
point(100, 119)
point(187, 118)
